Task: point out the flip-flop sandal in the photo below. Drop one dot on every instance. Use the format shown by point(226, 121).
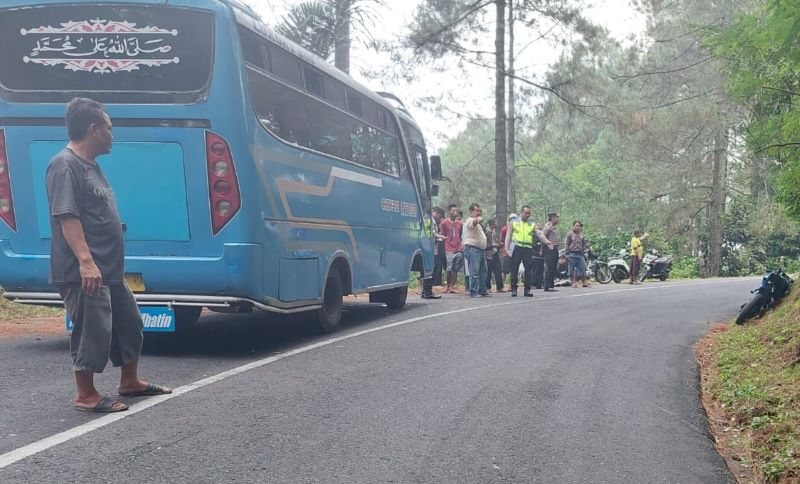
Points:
point(105, 405)
point(152, 389)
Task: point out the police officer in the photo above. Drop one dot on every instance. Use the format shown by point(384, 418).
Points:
point(551, 239)
point(519, 243)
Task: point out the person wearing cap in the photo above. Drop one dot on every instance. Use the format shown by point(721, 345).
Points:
point(519, 243)
point(537, 273)
point(494, 266)
point(550, 238)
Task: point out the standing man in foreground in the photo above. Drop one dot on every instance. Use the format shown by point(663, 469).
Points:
point(551, 240)
point(87, 262)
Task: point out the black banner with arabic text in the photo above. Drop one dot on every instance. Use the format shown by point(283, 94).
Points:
point(102, 49)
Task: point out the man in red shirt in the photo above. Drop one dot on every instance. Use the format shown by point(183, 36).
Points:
point(451, 230)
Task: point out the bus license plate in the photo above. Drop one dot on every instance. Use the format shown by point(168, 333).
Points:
point(135, 281)
point(156, 319)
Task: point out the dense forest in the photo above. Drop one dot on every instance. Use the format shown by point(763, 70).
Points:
point(687, 131)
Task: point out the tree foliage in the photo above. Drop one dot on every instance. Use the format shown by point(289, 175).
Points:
point(325, 27)
point(643, 136)
point(763, 61)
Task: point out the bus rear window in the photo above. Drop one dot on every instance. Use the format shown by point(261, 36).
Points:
point(118, 54)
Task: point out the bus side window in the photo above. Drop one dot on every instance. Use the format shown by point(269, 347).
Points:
point(306, 121)
point(285, 66)
point(251, 48)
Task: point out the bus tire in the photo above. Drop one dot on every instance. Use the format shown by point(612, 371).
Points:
point(393, 298)
point(330, 314)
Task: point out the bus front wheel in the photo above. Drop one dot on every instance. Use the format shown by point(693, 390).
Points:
point(330, 314)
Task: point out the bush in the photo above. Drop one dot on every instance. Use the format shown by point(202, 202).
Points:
point(685, 268)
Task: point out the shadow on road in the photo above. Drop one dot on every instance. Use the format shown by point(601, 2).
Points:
point(255, 334)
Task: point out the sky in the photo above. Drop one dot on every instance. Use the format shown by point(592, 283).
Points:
point(465, 92)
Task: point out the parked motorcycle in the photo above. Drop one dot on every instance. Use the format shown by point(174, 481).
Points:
point(620, 270)
point(774, 286)
point(655, 266)
point(597, 268)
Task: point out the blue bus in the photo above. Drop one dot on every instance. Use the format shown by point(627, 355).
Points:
point(249, 173)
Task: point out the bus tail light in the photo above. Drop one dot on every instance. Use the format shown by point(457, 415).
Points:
point(6, 200)
point(223, 187)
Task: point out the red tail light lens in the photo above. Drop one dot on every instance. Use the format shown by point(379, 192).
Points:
point(6, 200)
point(223, 187)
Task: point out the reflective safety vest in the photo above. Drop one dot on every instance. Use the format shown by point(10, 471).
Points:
point(522, 233)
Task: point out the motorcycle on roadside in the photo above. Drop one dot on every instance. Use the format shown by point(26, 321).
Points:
point(620, 270)
point(655, 266)
point(597, 268)
point(774, 286)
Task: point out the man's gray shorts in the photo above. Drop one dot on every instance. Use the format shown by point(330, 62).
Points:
point(106, 326)
point(455, 261)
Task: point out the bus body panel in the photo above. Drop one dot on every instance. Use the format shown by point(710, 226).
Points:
point(300, 210)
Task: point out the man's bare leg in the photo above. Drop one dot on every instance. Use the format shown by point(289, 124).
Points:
point(129, 380)
point(88, 396)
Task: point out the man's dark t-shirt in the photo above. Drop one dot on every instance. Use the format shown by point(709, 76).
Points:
point(78, 188)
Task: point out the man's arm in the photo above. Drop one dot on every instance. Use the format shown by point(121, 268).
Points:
point(543, 238)
point(540, 236)
point(91, 279)
point(507, 242)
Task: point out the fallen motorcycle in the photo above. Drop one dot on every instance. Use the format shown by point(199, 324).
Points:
point(774, 286)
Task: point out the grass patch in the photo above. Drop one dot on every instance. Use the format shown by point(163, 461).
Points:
point(755, 380)
point(10, 311)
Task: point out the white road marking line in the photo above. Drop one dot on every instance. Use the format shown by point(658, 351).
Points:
point(40, 446)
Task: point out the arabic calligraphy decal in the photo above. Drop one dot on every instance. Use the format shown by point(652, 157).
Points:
point(101, 46)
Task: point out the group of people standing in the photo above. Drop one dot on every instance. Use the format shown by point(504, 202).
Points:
point(486, 252)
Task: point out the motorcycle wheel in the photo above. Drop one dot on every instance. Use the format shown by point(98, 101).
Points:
point(662, 277)
point(603, 275)
point(750, 309)
point(643, 274)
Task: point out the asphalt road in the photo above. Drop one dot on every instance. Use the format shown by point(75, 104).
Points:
point(585, 385)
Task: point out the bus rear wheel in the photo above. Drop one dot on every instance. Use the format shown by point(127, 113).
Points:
point(393, 298)
point(185, 318)
point(330, 314)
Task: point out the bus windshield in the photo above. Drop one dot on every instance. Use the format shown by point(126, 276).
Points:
point(118, 54)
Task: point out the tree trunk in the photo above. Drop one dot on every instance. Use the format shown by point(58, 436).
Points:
point(717, 206)
point(501, 169)
point(511, 141)
point(341, 57)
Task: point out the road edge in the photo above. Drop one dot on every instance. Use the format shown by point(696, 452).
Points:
point(721, 431)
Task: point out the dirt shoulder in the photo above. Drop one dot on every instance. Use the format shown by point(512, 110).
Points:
point(21, 320)
point(53, 325)
point(750, 379)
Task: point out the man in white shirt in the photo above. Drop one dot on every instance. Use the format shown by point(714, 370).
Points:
point(474, 247)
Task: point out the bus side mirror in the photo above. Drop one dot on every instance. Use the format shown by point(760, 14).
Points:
point(436, 168)
point(434, 190)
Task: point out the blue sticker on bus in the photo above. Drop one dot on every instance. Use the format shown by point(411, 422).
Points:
point(157, 319)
